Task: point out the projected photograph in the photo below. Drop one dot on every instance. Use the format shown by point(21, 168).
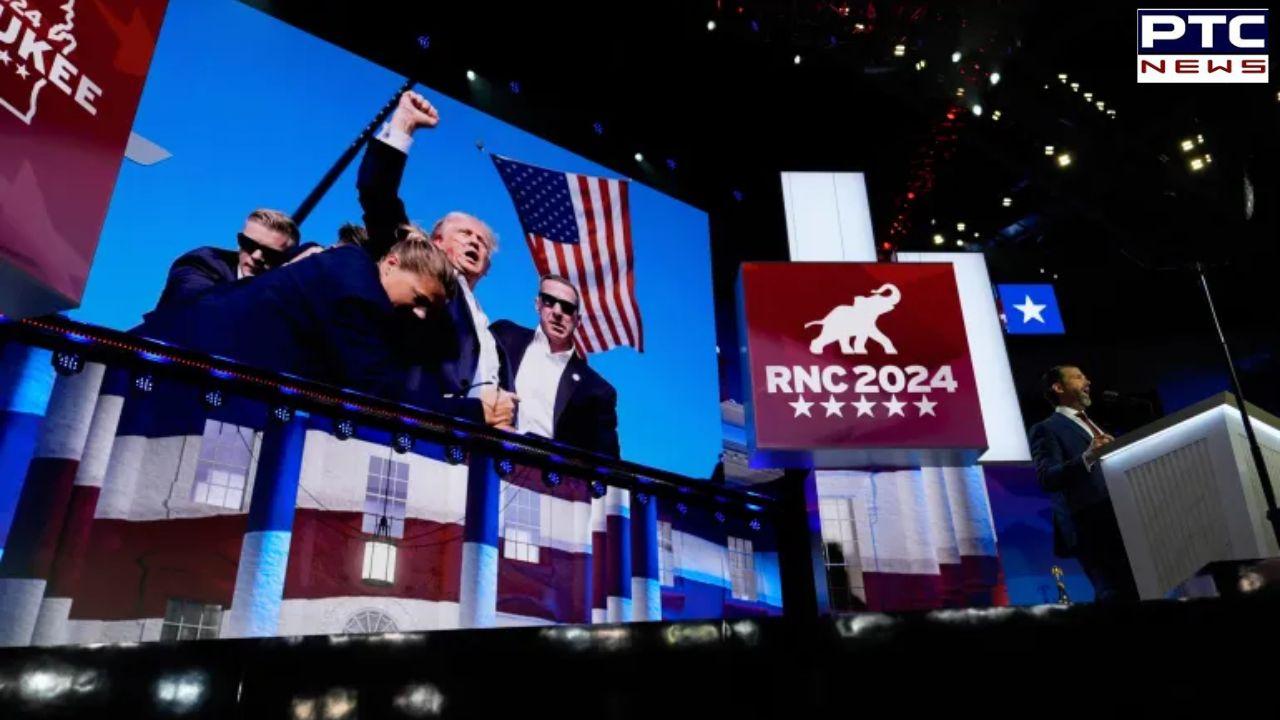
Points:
point(456, 264)
point(237, 139)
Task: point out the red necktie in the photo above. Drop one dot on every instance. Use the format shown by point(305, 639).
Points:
point(1097, 433)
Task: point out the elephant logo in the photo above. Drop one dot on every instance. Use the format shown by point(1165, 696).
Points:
point(857, 322)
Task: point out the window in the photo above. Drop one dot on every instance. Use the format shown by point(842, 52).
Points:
point(370, 621)
point(742, 569)
point(666, 555)
point(379, 562)
point(226, 451)
point(385, 496)
point(843, 561)
point(522, 530)
point(188, 620)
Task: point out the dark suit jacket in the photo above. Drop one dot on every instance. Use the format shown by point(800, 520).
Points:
point(197, 271)
point(449, 347)
point(326, 318)
point(586, 411)
point(1057, 448)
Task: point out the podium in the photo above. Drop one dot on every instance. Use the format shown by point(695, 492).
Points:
point(1186, 492)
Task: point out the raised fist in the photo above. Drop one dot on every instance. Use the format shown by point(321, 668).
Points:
point(413, 112)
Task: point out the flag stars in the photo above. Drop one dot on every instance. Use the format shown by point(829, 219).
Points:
point(4, 57)
point(22, 72)
point(1031, 311)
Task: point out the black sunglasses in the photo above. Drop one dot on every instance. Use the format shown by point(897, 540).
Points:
point(567, 307)
point(270, 256)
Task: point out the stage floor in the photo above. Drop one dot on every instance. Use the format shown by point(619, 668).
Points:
point(1006, 661)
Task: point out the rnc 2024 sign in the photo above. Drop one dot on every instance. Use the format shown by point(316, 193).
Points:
point(859, 356)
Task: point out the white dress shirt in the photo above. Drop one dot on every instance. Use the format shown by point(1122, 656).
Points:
point(487, 365)
point(1075, 418)
point(537, 382)
point(395, 137)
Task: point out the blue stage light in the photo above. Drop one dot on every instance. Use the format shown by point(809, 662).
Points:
point(551, 478)
point(282, 413)
point(68, 363)
point(455, 454)
point(344, 428)
point(402, 442)
point(213, 398)
point(754, 524)
point(144, 382)
point(598, 489)
point(504, 467)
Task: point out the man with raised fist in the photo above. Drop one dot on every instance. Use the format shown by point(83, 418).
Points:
point(459, 349)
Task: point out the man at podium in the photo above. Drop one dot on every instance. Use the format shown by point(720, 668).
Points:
point(1065, 448)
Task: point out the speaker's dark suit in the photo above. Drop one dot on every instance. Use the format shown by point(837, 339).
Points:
point(1084, 523)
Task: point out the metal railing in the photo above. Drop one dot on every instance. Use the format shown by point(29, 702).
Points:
point(117, 349)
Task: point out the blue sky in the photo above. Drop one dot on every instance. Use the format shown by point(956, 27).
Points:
point(255, 111)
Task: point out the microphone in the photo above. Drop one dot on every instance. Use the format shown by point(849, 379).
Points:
point(1111, 396)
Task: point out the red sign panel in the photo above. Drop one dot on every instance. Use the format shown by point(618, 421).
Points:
point(858, 356)
point(71, 73)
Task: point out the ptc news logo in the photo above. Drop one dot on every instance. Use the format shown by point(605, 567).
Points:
point(1203, 46)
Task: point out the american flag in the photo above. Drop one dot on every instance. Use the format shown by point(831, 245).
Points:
point(579, 227)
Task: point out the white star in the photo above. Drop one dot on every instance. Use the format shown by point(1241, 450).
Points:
point(833, 407)
point(895, 406)
point(802, 406)
point(864, 406)
point(4, 57)
point(22, 72)
point(926, 406)
point(1030, 311)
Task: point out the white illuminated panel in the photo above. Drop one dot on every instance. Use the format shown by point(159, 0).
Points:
point(1175, 436)
point(1001, 416)
point(1186, 493)
point(828, 218)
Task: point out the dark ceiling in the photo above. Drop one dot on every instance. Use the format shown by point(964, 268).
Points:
point(718, 113)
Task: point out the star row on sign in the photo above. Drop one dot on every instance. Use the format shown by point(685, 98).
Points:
point(865, 408)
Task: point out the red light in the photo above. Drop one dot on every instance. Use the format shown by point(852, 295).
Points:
point(951, 116)
point(887, 246)
point(911, 196)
